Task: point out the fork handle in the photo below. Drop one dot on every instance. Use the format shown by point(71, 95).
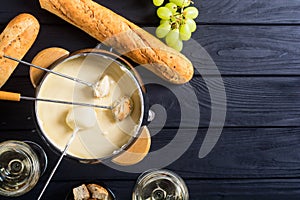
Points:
point(10, 96)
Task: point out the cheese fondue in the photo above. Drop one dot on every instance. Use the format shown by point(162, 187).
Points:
point(108, 135)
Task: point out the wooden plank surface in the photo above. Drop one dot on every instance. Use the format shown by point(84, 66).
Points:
point(241, 153)
point(248, 50)
point(251, 101)
point(235, 50)
point(199, 189)
point(216, 12)
point(255, 47)
point(246, 163)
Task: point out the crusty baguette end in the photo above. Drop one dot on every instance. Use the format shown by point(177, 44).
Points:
point(15, 41)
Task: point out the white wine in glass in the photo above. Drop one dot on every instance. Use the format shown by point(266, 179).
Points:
point(160, 185)
point(21, 165)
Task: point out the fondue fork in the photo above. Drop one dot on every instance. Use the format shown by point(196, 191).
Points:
point(91, 85)
point(64, 152)
point(120, 109)
point(78, 125)
point(11, 96)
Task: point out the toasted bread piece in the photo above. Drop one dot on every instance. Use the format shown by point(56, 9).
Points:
point(81, 193)
point(122, 108)
point(98, 192)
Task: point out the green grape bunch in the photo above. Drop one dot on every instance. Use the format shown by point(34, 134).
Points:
point(177, 21)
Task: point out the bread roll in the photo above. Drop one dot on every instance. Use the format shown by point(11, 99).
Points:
point(124, 36)
point(15, 41)
point(98, 192)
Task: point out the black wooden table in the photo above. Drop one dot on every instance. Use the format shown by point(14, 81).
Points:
point(254, 44)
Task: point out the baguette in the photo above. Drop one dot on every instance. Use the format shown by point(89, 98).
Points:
point(15, 41)
point(124, 36)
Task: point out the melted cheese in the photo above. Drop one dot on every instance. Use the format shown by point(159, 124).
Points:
point(107, 135)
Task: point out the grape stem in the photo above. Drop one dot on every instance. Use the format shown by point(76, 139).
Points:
point(181, 8)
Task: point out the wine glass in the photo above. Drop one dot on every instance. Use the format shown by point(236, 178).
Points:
point(160, 185)
point(21, 165)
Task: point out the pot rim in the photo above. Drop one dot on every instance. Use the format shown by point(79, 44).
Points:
point(139, 86)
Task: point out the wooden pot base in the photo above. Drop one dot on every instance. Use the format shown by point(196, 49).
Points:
point(138, 151)
point(44, 59)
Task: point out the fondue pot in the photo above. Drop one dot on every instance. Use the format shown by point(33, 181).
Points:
point(126, 142)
